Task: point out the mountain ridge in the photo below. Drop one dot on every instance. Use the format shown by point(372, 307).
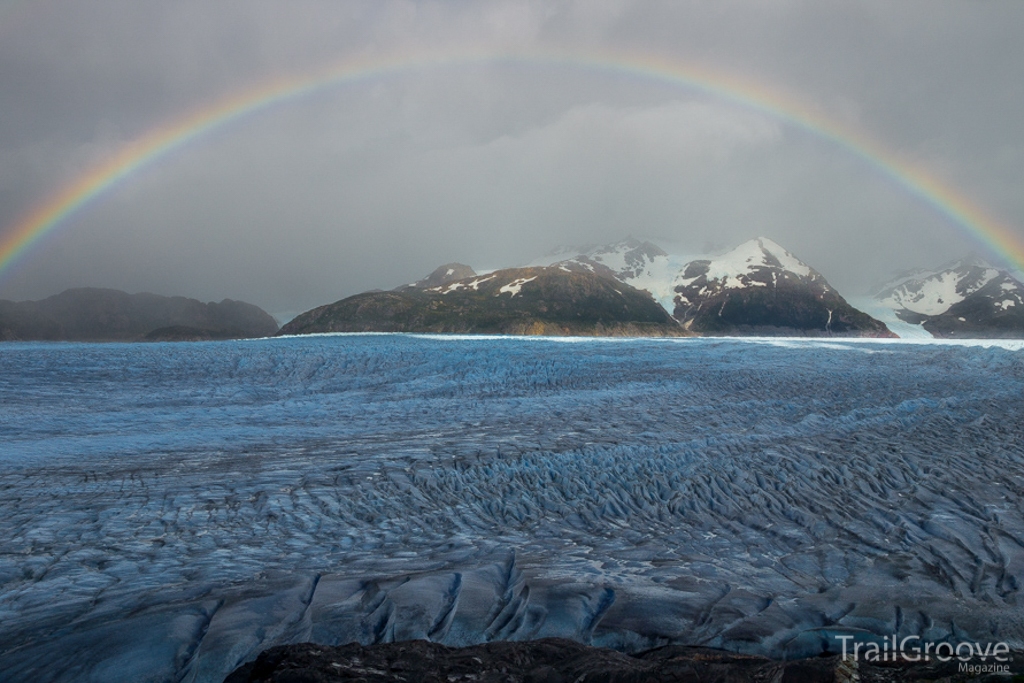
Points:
point(631, 287)
point(98, 314)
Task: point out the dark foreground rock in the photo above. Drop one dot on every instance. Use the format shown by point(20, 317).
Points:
point(554, 660)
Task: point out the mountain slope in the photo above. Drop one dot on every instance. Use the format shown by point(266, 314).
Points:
point(90, 314)
point(760, 288)
point(552, 300)
point(637, 263)
point(965, 298)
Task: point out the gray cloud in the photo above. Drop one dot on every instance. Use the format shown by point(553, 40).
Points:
point(372, 184)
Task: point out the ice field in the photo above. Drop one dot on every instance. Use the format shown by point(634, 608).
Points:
point(169, 510)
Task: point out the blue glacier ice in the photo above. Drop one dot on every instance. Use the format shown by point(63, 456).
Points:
point(167, 511)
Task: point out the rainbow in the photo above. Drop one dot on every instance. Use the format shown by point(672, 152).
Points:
point(160, 142)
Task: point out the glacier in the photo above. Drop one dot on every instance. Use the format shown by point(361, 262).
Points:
point(170, 510)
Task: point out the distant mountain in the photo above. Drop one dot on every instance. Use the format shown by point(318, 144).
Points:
point(554, 300)
point(965, 298)
point(110, 315)
point(759, 288)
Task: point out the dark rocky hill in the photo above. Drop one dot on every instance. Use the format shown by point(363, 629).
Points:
point(550, 301)
point(89, 314)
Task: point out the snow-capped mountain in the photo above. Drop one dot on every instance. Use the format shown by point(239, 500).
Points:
point(760, 287)
point(757, 288)
point(637, 263)
point(758, 262)
point(964, 298)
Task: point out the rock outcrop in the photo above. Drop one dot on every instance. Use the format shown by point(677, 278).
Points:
point(554, 660)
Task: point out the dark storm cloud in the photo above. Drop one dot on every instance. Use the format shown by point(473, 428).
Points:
point(373, 184)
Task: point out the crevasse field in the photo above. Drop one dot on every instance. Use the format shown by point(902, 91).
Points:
point(169, 510)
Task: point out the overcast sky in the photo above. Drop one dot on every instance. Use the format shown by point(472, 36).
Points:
point(374, 183)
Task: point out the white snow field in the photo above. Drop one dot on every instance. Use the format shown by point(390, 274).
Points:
point(167, 511)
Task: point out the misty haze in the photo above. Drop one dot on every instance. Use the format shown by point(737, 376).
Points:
point(690, 331)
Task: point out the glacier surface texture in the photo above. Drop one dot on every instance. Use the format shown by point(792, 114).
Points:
point(169, 510)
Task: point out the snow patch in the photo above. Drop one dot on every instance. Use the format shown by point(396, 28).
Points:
point(514, 286)
point(474, 285)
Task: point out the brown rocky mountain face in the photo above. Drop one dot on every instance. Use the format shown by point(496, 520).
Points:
point(551, 301)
